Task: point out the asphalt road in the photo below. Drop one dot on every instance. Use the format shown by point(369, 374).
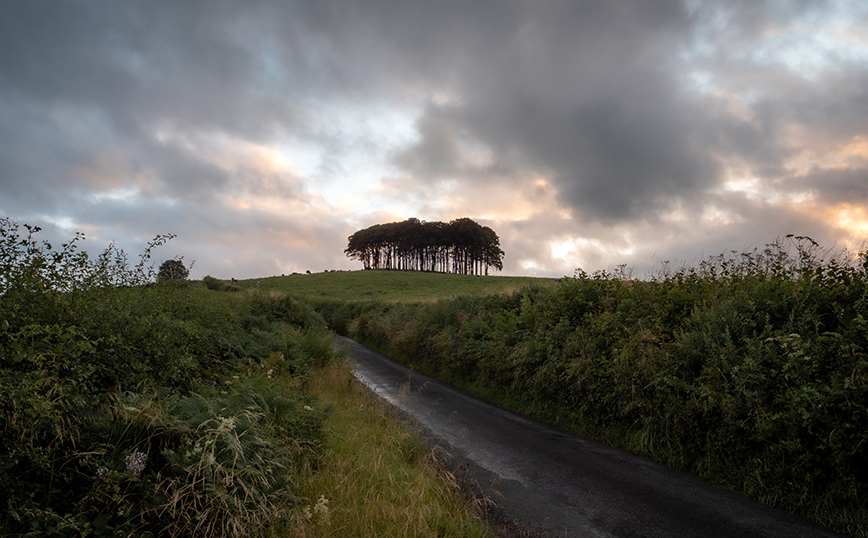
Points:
point(564, 485)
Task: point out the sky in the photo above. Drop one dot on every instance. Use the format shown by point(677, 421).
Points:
point(586, 133)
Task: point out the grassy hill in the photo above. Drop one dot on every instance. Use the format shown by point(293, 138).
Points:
point(391, 286)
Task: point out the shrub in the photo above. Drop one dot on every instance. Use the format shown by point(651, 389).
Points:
point(173, 270)
point(108, 384)
point(218, 285)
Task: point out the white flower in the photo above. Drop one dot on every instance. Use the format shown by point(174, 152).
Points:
point(226, 425)
point(321, 510)
point(136, 463)
point(320, 514)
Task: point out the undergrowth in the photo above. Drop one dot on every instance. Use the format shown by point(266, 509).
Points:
point(749, 369)
point(135, 408)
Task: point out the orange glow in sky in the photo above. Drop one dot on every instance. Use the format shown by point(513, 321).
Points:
point(852, 218)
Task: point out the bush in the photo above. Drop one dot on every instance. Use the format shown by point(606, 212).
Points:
point(134, 409)
point(218, 285)
point(173, 270)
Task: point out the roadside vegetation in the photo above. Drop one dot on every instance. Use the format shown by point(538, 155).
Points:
point(379, 477)
point(141, 404)
point(750, 370)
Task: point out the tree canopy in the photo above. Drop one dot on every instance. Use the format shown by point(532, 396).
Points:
point(460, 246)
point(173, 270)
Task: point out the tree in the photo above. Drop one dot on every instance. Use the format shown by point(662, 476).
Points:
point(173, 270)
point(460, 246)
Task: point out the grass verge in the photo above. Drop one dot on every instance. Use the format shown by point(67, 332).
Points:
point(376, 477)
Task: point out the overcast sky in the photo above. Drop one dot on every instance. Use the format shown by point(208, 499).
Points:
point(587, 134)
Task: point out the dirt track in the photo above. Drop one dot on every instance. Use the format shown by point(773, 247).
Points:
point(560, 484)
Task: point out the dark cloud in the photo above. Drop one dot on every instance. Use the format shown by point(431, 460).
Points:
point(583, 92)
point(596, 99)
point(836, 185)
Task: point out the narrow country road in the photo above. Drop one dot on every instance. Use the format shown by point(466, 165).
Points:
point(546, 479)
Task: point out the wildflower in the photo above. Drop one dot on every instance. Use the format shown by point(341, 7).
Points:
point(320, 514)
point(197, 449)
point(136, 463)
point(321, 510)
point(308, 408)
point(102, 473)
point(226, 425)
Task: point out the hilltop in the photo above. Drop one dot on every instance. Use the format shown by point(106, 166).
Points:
point(392, 286)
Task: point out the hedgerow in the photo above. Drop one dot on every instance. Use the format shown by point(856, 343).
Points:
point(141, 408)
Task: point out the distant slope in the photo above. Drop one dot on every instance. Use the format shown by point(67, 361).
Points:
point(407, 286)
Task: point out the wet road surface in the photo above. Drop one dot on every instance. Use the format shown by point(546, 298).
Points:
point(564, 485)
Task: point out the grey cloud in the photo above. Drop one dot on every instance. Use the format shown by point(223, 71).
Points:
point(223, 240)
point(649, 247)
point(437, 153)
point(196, 63)
point(591, 95)
point(583, 93)
point(836, 185)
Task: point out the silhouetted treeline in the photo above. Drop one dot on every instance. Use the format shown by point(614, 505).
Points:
point(460, 246)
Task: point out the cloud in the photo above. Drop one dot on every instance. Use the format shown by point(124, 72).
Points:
point(585, 97)
point(593, 132)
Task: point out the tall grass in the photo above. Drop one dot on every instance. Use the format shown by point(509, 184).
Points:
point(749, 369)
point(376, 478)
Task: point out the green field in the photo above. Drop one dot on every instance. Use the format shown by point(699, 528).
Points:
point(391, 286)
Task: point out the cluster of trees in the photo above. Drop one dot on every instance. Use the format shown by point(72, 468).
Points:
point(460, 246)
